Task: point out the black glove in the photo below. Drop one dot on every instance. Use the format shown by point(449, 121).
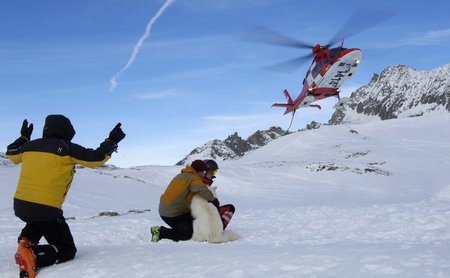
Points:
point(116, 135)
point(216, 203)
point(26, 130)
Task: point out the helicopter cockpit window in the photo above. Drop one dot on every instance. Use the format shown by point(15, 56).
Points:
point(335, 51)
point(316, 69)
point(325, 59)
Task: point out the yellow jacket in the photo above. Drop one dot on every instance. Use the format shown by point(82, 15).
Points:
point(48, 167)
point(45, 177)
point(177, 198)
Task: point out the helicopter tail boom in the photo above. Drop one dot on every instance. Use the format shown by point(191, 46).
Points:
point(288, 105)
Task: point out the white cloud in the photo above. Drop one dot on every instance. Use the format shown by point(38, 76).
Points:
point(427, 38)
point(159, 95)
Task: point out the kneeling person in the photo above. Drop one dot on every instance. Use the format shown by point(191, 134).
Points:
point(48, 167)
point(174, 206)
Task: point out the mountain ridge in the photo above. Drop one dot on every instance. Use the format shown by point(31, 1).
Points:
point(398, 91)
point(233, 146)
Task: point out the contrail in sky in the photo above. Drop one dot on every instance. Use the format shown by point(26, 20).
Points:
point(140, 42)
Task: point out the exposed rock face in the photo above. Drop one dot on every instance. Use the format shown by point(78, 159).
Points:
point(313, 125)
point(261, 138)
point(238, 145)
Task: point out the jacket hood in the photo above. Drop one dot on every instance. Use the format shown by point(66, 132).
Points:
point(188, 169)
point(58, 126)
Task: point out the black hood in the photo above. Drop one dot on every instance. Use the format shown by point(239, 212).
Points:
point(58, 126)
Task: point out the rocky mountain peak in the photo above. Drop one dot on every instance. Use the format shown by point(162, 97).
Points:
point(261, 138)
point(234, 146)
point(399, 91)
point(238, 145)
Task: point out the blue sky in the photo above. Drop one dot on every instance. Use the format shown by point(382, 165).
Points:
point(192, 81)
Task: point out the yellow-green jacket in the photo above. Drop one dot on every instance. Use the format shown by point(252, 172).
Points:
point(177, 198)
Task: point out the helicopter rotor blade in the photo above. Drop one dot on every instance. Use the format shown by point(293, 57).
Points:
point(362, 19)
point(265, 35)
point(290, 65)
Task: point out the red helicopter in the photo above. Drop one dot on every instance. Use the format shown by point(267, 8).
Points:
point(329, 70)
point(330, 67)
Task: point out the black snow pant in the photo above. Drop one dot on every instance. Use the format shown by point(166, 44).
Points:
point(60, 247)
point(181, 227)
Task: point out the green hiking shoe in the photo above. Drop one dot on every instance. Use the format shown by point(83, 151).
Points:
point(155, 233)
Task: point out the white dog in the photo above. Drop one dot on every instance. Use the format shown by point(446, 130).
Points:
point(207, 222)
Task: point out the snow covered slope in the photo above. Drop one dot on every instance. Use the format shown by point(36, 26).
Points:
point(359, 200)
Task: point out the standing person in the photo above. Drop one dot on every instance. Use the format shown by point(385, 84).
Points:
point(174, 205)
point(48, 168)
point(226, 211)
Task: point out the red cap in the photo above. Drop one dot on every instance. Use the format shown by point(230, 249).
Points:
point(199, 165)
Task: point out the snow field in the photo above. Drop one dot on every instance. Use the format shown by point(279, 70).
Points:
point(306, 206)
